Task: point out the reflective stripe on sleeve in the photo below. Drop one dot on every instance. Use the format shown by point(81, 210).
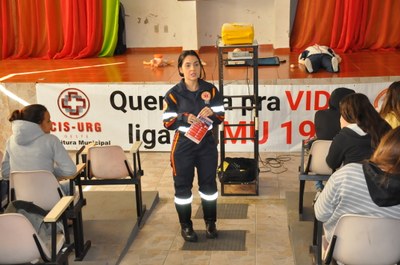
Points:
point(218, 108)
point(168, 115)
point(183, 129)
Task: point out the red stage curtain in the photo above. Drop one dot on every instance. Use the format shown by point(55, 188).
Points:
point(347, 25)
point(82, 26)
point(55, 37)
point(51, 29)
point(6, 18)
point(94, 33)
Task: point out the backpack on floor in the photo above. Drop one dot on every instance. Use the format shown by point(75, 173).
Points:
point(237, 170)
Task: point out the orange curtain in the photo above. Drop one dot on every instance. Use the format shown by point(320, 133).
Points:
point(55, 38)
point(51, 29)
point(94, 35)
point(347, 25)
point(6, 29)
point(21, 31)
point(83, 28)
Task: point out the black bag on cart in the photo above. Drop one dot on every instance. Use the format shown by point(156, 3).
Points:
point(237, 170)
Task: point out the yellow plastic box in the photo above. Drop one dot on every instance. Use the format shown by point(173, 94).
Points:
point(237, 33)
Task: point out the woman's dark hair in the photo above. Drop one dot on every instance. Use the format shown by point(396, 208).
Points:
point(356, 108)
point(33, 113)
point(391, 103)
point(182, 57)
point(387, 154)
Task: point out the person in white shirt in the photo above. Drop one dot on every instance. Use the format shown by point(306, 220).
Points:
point(370, 188)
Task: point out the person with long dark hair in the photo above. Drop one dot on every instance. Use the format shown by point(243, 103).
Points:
point(327, 122)
point(390, 109)
point(362, 129)
point(185, 104)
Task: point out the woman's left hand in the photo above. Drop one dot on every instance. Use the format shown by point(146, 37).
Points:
point(206, 112)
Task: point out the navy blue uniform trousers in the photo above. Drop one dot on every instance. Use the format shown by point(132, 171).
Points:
point(186, 156)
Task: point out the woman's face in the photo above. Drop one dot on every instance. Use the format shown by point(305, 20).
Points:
point(46, 123)
point(190, 68)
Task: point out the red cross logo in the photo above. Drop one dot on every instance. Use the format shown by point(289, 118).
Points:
point(73, 103)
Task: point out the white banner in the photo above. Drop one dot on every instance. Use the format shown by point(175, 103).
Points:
point(119, 114)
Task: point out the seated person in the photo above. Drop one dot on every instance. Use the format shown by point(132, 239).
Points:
point(327, 121)
point(319, 57)
point(390, 109)
point(369, 188)
point(32, 147)
point(362, 129)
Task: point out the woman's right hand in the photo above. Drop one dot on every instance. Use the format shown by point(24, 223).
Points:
point(192, 119)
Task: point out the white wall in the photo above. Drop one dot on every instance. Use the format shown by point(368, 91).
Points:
point(160, 23)
point(212, 14)
point(194, 24)
point(282, 24)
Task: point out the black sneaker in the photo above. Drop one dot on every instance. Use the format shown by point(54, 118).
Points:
point(188, 233)
point(211, 230)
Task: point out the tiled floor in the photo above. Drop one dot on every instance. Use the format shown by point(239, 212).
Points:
point(267, 239)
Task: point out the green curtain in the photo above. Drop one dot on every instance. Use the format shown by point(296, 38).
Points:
point(110, 18)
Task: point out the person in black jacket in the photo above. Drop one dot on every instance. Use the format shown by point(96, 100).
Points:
point(362, 129)
point(184, 105)
point(327, 121)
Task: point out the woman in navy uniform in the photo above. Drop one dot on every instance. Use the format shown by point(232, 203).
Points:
point(184, 103)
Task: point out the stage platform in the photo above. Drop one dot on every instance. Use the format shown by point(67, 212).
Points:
point(362, 66)
point(290, 95)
